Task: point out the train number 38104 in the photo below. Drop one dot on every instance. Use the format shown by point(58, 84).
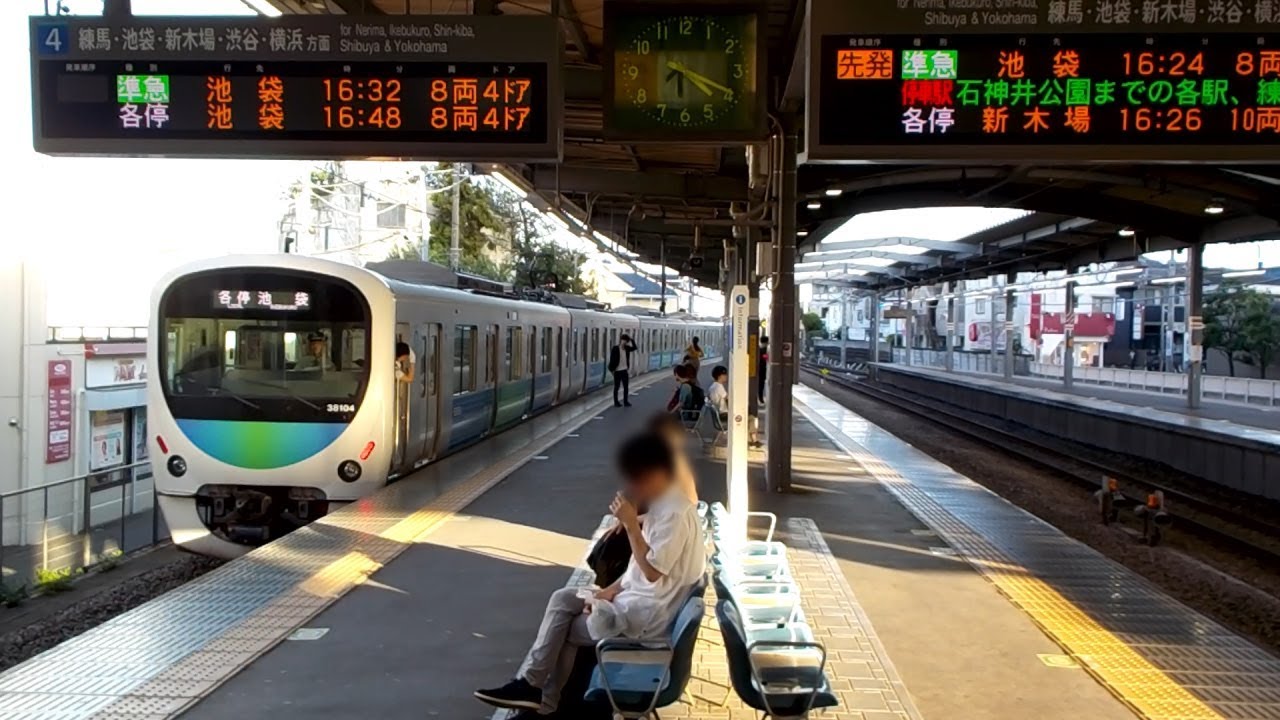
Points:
point(341, 407)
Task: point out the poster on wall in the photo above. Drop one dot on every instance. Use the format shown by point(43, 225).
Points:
point(59, 413)
point(106, 446)
point(140, 451)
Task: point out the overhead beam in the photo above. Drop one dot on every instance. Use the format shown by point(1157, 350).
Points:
point(873, 243)
point(577, 33)
point(680, 186)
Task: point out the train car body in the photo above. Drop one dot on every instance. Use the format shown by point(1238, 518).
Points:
point(277, 393)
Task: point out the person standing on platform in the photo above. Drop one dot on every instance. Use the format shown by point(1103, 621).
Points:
point(620, 366)
point(762, 368)
point(693, 357)
point(667, 560)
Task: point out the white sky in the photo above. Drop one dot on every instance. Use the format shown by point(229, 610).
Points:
point(104, 230)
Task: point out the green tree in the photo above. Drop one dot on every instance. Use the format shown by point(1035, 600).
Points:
point(814, 325)
point(536, 259)
point(481, 232)
point(1240, 322)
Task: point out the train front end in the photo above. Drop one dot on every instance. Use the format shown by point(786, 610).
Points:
point(264, 401)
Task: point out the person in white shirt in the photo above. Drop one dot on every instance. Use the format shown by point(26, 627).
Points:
point(667, 559)
point(718, 396)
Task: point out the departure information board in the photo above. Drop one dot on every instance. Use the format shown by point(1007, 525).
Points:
point(965, 93)
point(461, 87)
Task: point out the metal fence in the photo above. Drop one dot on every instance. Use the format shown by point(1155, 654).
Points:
point(75, 523)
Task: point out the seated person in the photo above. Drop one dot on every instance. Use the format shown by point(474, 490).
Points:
point(718, 396)
point(688, 398)
point(317, 356)
point(667, 559)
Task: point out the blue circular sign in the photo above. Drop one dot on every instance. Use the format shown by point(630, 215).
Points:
point(740, 299)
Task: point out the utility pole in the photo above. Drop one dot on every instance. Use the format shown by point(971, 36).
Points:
point(455, 239)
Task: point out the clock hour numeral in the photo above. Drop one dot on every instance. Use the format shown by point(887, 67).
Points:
point(632, 72)
point(641, 95)
point(730, 45)
point(685, 116)
point(642, 47)
point(708, 111)
point(662, 110)
point(686, 26)
point(728, 95)
point(738, 72)
point(663, 31)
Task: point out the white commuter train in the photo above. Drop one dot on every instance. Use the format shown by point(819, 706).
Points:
point(276, 394)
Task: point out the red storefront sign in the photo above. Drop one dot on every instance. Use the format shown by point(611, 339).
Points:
point(1033, 327)
point(1088, 325)
point(60, 412)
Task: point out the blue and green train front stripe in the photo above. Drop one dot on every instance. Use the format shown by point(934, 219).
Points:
point(260, 445)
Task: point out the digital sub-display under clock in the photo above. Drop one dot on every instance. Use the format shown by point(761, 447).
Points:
point(418, 102)
point(1051, 90)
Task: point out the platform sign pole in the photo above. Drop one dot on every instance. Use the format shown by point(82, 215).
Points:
point(1009, 304)
point(739, 406)
point(1194, 331)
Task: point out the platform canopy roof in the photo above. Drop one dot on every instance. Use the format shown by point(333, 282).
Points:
point(649, 197)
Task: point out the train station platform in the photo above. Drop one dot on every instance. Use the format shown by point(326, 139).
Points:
point(1205, 445)
point(934, 598)
point(1265, 417)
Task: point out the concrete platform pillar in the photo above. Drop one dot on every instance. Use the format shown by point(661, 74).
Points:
point(1008, 334)
point(782, 321)
point(875, 331)
point(1195, 323)
point(909, 337)
point(992, 304)
point(948, 289)
point(1068, 341)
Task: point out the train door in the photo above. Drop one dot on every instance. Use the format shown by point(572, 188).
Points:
point(491, 360)
point(400, 460)
point(559, 369)
point(585, 357)
point(426, 387)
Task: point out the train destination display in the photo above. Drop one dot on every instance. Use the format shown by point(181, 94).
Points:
point(962, 91)
point(452, 87)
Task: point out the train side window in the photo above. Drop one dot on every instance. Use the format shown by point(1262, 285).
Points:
point(464, 359)
point(613, 337)
point(576, 335)
point(544, 354)
point(595, 344)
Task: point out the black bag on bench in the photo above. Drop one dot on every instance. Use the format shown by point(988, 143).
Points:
point(609, 558)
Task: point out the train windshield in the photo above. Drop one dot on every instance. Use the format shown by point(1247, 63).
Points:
point(264, 345)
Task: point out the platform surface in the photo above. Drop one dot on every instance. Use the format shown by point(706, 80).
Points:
point(1258, 424)
point(1161, 658)
point(932, 595)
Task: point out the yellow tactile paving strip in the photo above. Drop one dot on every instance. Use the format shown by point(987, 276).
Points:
point(1081, 600)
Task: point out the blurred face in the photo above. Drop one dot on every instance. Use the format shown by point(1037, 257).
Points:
point(646, 487)
point(317, 348)
point(722, 378)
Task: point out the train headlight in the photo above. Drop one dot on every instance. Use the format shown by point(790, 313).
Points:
point(350, 471)
point(177, 466)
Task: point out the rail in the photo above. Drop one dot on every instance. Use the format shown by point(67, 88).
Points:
point(71, 524)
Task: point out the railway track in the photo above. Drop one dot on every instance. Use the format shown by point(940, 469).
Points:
point(1202, 517)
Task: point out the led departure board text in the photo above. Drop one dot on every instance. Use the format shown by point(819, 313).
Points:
point(194, 101)
point(978, 90)
point(432, 87)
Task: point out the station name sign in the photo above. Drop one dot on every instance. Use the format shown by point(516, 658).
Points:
point(425, 87)
point(1044, 80)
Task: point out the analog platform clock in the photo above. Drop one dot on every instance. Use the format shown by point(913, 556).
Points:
point(681, 72)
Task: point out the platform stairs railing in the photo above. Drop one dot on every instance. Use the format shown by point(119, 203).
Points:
point(71, 524)
point(776, 665)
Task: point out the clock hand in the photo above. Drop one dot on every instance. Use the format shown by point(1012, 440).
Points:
point(699, 81)
point(696, 77)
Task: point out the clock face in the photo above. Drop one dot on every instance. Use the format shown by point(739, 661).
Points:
point(692, 73)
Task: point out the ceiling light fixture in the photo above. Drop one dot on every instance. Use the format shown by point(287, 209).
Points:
point(814, 204)
point(802, 233)
point(834, 192)
point(1127, 232)
point(1214, 207)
